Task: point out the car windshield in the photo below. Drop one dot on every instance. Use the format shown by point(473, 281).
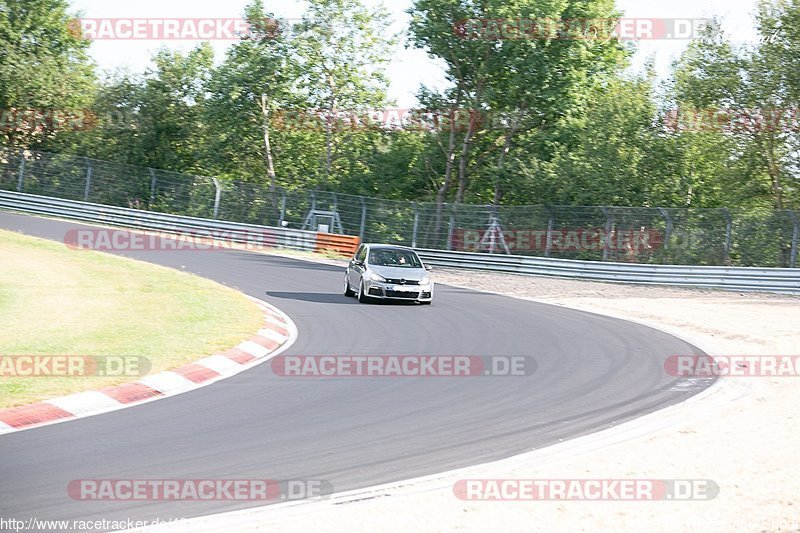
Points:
point(394, 258)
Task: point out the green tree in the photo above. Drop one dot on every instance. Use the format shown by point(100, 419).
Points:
point(46, 78)
point(342, 48)
point(172, 130)
point(155, 119)
point(609, 153)
point(503, 86)
point(257, 70)
point(733, 106)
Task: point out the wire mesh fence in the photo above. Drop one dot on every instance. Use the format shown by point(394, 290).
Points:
point(680, 236)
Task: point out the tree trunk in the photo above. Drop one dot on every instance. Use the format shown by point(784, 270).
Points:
point(501, 160)
point(441, 192)
point(267, 147)
point(329, 132)
point(467, 143)
point(462, 161)
point(774, 172)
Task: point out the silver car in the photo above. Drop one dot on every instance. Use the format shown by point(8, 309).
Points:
point(384, 272)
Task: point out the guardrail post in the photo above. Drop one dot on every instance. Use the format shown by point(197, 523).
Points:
point(88, 185)
point(152, 186)
point(726, 250)
point(608, 232)
point(217, 195)
point(795, 236)
point(414, 229)
point(363, 219)
point(21, 170)
point(669, 226)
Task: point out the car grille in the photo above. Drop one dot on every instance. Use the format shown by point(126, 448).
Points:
point(401, 294)
point(399, 281)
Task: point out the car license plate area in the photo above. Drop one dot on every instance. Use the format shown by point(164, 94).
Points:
point(402, 288)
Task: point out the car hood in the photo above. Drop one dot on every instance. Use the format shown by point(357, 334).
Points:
point(411, 274)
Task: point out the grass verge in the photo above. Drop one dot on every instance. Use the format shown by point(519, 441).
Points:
point(58, 301)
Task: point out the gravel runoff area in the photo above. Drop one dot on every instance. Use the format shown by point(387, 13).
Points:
point(748, 446)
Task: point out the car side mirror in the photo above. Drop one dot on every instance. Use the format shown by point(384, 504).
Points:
point(428, 268)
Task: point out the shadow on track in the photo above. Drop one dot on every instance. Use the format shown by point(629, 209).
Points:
point(315, 297)
point(331, 298)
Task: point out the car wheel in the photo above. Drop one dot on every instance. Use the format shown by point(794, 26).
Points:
point(429, 302)
point(347, 290)
point(363, 298)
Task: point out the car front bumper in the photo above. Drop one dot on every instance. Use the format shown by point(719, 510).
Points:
point(391, 291)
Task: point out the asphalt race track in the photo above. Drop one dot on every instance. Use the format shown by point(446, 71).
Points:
point(592, 372)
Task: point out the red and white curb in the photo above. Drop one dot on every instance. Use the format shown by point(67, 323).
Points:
point(277, 334)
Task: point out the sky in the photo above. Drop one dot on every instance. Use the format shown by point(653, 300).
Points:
point(409, 68)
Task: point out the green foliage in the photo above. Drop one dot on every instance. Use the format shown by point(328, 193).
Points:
point(45, 74)
point(554, 120)
point(746, 156)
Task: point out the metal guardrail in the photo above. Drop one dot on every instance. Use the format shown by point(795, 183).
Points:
point(163, 222)
point(779, 280)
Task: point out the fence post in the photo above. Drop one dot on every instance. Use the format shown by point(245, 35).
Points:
point(283, 208)
point(88, 180)
point(549, 237)
point(363, 219)
point(493, 228)
point(21, 170)
point(728, 236)
point(450, 225)
point(335, 211)
point(668, 223)
point(795, 236)
point(606, 245)
point(416, 225)
point(217, 195)
point(152, 186)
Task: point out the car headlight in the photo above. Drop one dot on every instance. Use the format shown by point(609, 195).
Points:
point(425, 281)
point(376, 277)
